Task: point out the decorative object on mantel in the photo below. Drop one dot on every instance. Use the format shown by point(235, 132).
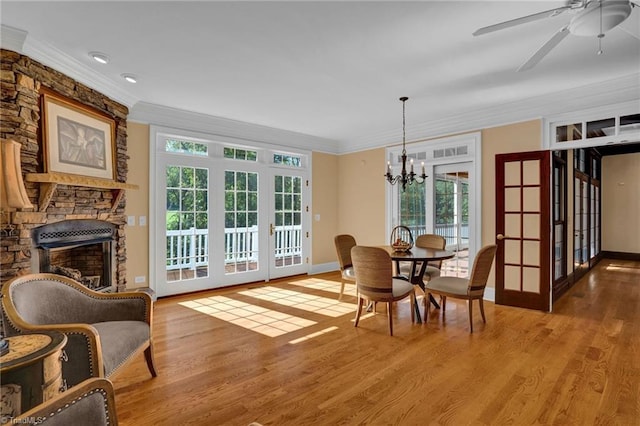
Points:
point(77, 139)
point(404, 178)
point(13, 195)
point(401, 239)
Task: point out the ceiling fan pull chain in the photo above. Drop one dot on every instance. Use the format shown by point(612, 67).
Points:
point(601, 35)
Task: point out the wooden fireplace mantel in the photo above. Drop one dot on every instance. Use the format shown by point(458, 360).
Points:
point(49, 182)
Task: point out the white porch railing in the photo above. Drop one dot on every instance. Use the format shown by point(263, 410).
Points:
point(189, 249)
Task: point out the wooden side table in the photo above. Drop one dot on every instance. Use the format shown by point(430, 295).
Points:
point(31, 372)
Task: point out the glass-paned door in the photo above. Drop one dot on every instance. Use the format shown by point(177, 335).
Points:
point(226, 215)
point(288, 233)
point(451, 215)
point(241, 226)
point(581, 225)
point(187, 222)
point(523, 229)
point(559, 190)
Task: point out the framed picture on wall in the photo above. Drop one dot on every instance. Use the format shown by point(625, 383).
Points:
point(77, 139)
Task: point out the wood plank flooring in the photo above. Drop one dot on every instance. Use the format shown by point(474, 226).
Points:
point(579, 365)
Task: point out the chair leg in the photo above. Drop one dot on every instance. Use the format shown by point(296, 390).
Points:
point(413, 306)
point(427, 311)
point(471, 315)
point(360, 301)
point(443, 304)
point(482, 310)
point(341, 290)
point(148, 356)
point(390, 312)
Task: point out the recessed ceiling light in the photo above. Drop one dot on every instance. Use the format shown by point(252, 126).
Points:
point(130, 78)
point(99, 57)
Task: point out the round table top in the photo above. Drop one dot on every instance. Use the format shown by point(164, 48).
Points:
point(28, 348)
point(420, 254)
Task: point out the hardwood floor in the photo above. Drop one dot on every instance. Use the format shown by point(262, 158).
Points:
point(579, 365)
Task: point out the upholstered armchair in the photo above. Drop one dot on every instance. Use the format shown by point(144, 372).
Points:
point(104, 330)
point(91, 402)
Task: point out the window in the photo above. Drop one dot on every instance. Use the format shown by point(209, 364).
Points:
point(287, 160)
point(186, 147)
point(619, 123)
point(240, 154)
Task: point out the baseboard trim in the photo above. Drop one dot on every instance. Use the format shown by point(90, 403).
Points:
point(321, 268)
point(619, 255)
point(490, 294)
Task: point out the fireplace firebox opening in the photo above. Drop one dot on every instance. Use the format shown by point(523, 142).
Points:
point(82, 249)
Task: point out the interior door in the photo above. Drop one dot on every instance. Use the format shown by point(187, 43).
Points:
point(523, 230)
point(288, 227)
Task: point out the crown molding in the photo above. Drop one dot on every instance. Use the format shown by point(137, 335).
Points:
point(12, 38)
point(614, 91)
point(159, 115)
point(55, 58)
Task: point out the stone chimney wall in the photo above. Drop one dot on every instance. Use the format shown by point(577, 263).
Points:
point(22, 79)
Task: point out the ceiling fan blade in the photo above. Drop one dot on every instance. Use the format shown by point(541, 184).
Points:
point(522, 20)
point(545, 49)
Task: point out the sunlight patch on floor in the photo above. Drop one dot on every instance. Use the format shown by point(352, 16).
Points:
point(312, 335)
point(328, 286)
point(256, 318)
point(305, 302)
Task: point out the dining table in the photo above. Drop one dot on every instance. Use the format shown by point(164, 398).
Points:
point(419, 257)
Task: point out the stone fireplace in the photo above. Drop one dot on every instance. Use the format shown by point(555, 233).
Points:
point(80, 249)
point(59, 199)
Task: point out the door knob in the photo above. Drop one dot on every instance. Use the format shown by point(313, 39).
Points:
point(500, 237)
point(271, 228)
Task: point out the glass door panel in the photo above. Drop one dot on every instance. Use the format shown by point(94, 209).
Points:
point(241, 235)
point(451, 215)
point(187, 223)
point(288, 229)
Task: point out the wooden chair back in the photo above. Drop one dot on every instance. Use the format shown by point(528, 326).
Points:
point(344, 243)
point(432, 241)
point(373, 269)
point(481, 269)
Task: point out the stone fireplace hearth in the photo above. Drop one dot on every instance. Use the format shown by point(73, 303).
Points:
point(80, 249)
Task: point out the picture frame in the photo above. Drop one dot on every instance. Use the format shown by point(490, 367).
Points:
point(76, 138)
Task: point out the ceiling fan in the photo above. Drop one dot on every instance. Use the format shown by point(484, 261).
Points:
point(590, 18)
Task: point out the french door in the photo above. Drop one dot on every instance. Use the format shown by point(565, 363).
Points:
point(451, 214)
point(288, 227)
point(222, 221)
point(523, 229)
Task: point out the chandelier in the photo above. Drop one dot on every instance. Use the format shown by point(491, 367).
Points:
point(404, 178)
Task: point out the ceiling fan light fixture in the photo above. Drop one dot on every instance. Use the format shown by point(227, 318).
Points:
point(600, 17)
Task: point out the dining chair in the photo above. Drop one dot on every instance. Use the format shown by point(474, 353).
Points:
point(375, 282)
point(462, 288)
point(431, 241)
point(344, 243)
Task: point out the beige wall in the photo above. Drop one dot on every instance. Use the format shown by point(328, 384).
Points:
point(138, 204)
point(361, 196)
point(324, 181)
point(519, 137)
point(621, 203)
